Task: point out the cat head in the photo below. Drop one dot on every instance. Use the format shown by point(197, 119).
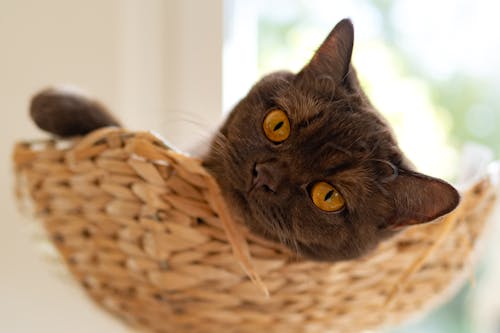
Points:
point(306, 160)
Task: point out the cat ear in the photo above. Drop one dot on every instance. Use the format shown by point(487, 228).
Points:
point(333, 58)
point(418, 198)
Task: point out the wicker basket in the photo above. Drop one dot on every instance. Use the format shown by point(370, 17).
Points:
point(145, 231)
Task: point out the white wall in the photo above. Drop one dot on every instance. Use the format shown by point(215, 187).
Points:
point(154, 62)
point(171, 67)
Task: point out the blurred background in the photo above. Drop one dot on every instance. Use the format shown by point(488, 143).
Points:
point(177, 66)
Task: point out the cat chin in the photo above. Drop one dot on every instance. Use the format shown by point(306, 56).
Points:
point(242, 206)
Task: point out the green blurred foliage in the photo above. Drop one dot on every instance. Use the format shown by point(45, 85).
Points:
point(459, 94)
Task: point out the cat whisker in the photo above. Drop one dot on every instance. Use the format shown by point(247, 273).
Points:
point(394, 169)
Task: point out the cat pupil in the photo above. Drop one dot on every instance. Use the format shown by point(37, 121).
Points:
point(328, 195)
point(278, 126)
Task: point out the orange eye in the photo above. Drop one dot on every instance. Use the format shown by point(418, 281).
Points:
point(276, 126)
point(326, 197)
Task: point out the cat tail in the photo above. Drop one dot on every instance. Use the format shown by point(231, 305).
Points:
point(67, 113)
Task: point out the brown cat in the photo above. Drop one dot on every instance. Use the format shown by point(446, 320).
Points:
point(304, 158)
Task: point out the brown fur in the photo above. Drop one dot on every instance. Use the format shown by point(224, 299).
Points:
point(336, 136)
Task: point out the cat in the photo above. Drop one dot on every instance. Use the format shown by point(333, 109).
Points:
point(304, 159)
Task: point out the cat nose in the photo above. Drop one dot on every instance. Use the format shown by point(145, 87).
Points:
point(267, 175)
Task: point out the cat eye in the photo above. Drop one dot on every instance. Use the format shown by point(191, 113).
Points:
point(276, 126)
point(326, 197)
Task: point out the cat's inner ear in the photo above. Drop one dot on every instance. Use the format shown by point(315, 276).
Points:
point(418, 198)
point(333, 58)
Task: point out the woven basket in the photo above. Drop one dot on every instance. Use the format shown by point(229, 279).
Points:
point(145, 231)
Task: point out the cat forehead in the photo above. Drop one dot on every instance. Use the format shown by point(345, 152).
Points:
point(300, 106)
point(279, 90)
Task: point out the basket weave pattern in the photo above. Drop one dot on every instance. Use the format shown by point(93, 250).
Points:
point(139, 226)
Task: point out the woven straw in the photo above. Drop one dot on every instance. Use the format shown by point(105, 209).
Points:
point(145, 231)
